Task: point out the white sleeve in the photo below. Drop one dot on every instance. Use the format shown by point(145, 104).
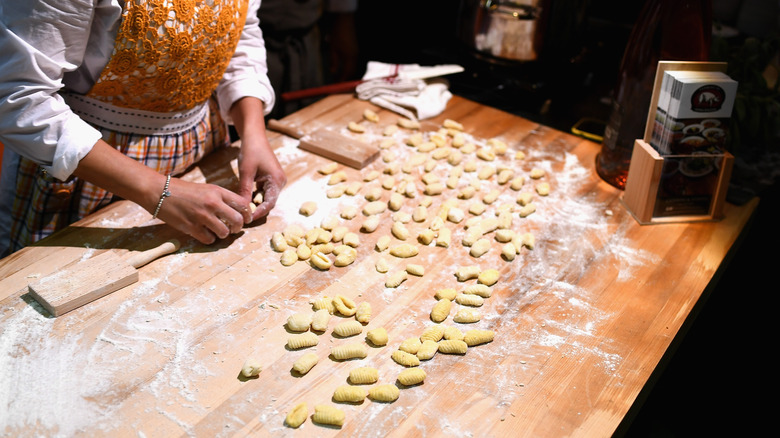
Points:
point(41, 40)
point(247, 73)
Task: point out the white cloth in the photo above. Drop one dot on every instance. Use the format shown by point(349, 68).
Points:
point(51, 45)
point(415, 99)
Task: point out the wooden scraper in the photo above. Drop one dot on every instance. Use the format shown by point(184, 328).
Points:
point(84, 281)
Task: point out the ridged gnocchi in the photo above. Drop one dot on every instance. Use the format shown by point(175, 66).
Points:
point(404, 358)
point(326, 414)
point(453, 347)
point(302, 340)
point(363, 376)
point(348, 328)
point(349, 351)
point(305, 363)
point(427, 349)
point(441, 310)
point(349, 394)
point(411, 376)
point(387, 393)
point(467, 316)
point(478, 336)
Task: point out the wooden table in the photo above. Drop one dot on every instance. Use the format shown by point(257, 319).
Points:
point(581, 320)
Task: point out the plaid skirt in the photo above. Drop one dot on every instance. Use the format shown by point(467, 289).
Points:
point(43, 204)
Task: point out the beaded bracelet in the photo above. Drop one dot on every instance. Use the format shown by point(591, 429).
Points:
point(164, 195)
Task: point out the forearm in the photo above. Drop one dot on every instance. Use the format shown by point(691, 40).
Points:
point(123, 176)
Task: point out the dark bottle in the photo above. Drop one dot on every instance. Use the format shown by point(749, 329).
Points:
point(666, 30)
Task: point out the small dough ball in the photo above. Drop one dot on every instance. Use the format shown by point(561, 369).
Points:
point(251, 368)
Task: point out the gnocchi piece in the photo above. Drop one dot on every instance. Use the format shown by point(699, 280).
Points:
point(451, 124)
point(455, 215)
point(404, 250)
point(420, 213)
point(344, 305)
point(477, 208)
point(524, 198)
point(320, 320)
point(349, 351)
point(504, 176)
point(302, 340)
point(303, 251)
point(465, 273)
point(370, 224)
point(387, 393)
point(374, 207)
point(469, 300)
point(381, 265)
point(411, 345)
point(488, 277)
point(370, 115)
point(509, 251)
point(516, 183)
point(478, 289)
point(447, 293)
point(527, 210)
point(363, 312)
point(388, 182)
point(432, 333)
point(433, 189)
point(321, 261)
point(394, 280)
point(297, 415)
point(490, 197)
point(363, 376)
point(299, 322)
point(477, 337)
point(335, 191)
point(411, 376)
point(415, 269)
point(321, 303)
point(453, 333)
point(467, 316)
point(278, 242)
point(427, 350)
point(327, 169)
point(308, 208)
point(305, 363)
point(345, 258)
point(444, 237)
point(382, 243)
point(536, 173)
point(426, 236)
point(399, 230)
point(356, 127)
point(405, 358)
point(480, 247)
point(289, 257)
point(330, 415)
point(504, 235)
point(396, 201)
point(453, 346)
point(390, 130)
point(353, 188)
point(351, 239)
point(408, 123)
point(348, 328)
point(441, 310)
point(348, 212)
point(377, 336)
point(486, 154)
point(543, 188)
point(349, 394)
point(251, 368)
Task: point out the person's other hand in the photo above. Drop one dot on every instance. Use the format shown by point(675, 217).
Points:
point(258, 166)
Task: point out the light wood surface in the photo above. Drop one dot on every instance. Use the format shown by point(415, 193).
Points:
point(581, 320)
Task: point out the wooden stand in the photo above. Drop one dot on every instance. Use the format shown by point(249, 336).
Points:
point(645, 172)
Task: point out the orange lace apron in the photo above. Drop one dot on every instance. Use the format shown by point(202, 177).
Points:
point(152, 101)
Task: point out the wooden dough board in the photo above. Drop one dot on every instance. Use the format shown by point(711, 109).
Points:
point(339, 148)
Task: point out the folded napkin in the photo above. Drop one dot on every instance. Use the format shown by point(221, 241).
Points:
point(416, 99)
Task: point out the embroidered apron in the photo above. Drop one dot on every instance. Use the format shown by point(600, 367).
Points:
point(152, 101)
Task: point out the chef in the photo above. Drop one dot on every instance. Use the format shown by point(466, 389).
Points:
point(107, 99)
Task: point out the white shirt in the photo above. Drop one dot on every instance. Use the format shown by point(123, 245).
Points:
point(51, 45)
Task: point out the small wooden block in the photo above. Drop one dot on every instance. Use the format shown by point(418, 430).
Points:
point(339, 148)
point(82, 282)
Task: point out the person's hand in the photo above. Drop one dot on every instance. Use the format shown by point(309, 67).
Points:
point(206, 212)
point(258, 166)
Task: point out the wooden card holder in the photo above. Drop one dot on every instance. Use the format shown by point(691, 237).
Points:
point(650, 173)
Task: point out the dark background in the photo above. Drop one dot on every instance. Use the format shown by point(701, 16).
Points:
point(718, 377)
